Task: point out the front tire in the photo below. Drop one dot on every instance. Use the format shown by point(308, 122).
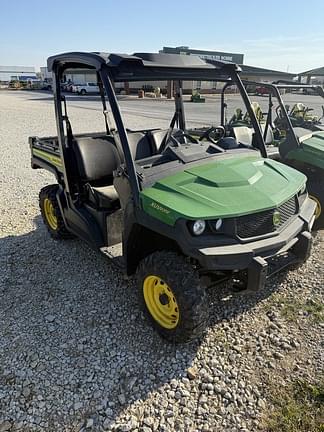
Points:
point(83, 92)
point(316, 192)
point(51, 213)
point(171, 295)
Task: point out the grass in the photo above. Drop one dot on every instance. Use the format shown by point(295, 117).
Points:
point(297, 408)
point(290, 308)
point(314, 309)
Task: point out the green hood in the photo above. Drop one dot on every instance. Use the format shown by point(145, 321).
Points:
point(224, 188)
point(311, 150)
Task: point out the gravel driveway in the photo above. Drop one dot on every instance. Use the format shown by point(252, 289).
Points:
point(75, 351)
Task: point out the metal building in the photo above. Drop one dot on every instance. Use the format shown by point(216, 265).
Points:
point(315, 76)
point(205, 54)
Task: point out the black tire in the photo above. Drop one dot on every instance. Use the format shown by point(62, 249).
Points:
point(83, 92)
point(58, 230)
point(316, 191)
point(174, 271)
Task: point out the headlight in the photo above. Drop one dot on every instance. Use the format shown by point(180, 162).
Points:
point(218, 224)
point(198, 227)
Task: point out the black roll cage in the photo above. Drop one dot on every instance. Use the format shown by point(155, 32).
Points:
point(112, 68)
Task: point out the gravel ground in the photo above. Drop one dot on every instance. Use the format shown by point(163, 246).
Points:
point(75, 351)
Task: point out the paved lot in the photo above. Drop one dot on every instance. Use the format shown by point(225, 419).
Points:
point(75, 351)
point(196, 114)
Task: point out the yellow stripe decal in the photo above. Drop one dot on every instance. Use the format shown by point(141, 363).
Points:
point(55, 160)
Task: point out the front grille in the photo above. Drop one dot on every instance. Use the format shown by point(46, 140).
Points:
point(262, 223)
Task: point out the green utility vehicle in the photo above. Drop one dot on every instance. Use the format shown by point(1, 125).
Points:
point(196, 97)
point(301, 116)
point(179, 207)
point(293, 136)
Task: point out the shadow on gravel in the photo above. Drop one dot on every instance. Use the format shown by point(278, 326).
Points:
point(72, 336)
point(74, 97)
point(68, 98)
point(227, 304)
point(94, 97)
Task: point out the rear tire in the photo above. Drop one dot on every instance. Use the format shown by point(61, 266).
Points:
point(316, 192)
point(171, 296)
point(51, 213)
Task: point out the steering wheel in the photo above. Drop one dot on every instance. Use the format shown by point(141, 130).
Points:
point(218, 131)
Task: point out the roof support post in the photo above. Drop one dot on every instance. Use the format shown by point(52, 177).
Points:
point(237, 80)
point(169, 89)
point(62, 141)
point(130, 165)
point(179, 105)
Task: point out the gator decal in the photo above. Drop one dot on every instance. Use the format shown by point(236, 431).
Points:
point(55, 160)
point(160, 208)
point(158, 211)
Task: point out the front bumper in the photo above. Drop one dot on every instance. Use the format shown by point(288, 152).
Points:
point(263, 258)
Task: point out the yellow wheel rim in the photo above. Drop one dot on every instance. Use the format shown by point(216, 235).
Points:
point(161, 302)
point(318, 210)
point(50, 214)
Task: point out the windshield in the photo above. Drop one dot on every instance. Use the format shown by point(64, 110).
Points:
point(151, 105)
point(299, 112)
point(167, 121)
point(304, 106)
point(180, 125)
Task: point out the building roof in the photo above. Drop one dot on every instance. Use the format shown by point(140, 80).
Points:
point(210, 54)
point(147, 66)
point(314, 72)
point(17, 69)
point(253, 70)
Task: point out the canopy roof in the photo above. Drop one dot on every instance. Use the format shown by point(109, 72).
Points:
point(147, 66)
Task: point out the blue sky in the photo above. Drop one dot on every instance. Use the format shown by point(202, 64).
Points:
point(287, 35)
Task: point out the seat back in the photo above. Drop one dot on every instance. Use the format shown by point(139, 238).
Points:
point(298, 110)
point(158, 135)
point(269, 138)
point(228, 143)
point(140, 145)
point(243, 135)
point(96, 158)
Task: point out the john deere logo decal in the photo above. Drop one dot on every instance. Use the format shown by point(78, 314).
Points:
point(276, 218)
point(160, 208)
